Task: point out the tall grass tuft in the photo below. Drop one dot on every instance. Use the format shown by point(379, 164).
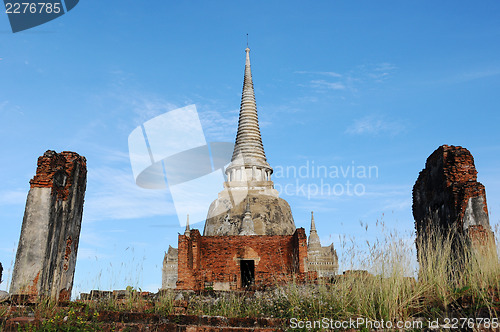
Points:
point(452, 279)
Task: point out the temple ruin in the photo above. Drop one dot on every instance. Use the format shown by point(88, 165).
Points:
point(170, 266)
point(250, 238)
point(46, 254)
point(448, 198)
point(323, 260)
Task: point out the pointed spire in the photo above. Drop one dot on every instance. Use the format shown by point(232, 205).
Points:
point(248, 149)
point(313, 243)
point(313, 225)
point(187, 232)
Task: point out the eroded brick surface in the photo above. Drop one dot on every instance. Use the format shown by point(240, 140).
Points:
point(214, 261)
point(57, 171)
point(447, 196)
point(123, 321)
point(48, 244)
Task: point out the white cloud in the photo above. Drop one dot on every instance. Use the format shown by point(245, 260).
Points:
point(143, 105)
point(374, 125)
point(89, 236)
point(387, 190)
point(377, 72)
point(7, 108)
point(469, 76)
point(91, 254)
point(325, 73)
point(112, 194)
point(13, 197)
point(218, 126)
point(352, 80)
point(146, 108)
point(108, 155)
point(384, 66)
point(327, 85)
point(397, 204)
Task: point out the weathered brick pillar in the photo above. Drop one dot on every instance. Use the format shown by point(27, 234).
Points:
point(46, 254)
point(447, 198)
point(188, 260)
point(299, 263)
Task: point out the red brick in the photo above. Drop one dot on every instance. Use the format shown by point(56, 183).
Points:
point(278, 258)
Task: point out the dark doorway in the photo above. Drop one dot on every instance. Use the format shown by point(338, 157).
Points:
point(247, 272)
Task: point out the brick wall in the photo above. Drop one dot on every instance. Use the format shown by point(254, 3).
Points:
point(205, 261)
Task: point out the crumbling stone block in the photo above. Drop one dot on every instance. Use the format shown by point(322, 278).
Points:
point(46, 254)
point(448, 198)
point(180, 307)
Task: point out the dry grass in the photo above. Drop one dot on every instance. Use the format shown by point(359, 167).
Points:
point(467, 286)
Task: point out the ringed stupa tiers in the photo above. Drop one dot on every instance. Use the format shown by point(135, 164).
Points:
point(248, 155)
point(250, 238)
point(249, 180)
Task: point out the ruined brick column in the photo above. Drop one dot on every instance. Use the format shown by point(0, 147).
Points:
point(300, 251)
point(448, 198)
point(188, 260)
point(46, 254)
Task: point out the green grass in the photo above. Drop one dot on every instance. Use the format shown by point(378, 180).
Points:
point(446, 287)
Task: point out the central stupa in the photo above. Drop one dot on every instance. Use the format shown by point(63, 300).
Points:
point(250, 239)
point(249, 204)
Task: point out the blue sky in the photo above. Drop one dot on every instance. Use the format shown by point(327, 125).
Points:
point(364, 83)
